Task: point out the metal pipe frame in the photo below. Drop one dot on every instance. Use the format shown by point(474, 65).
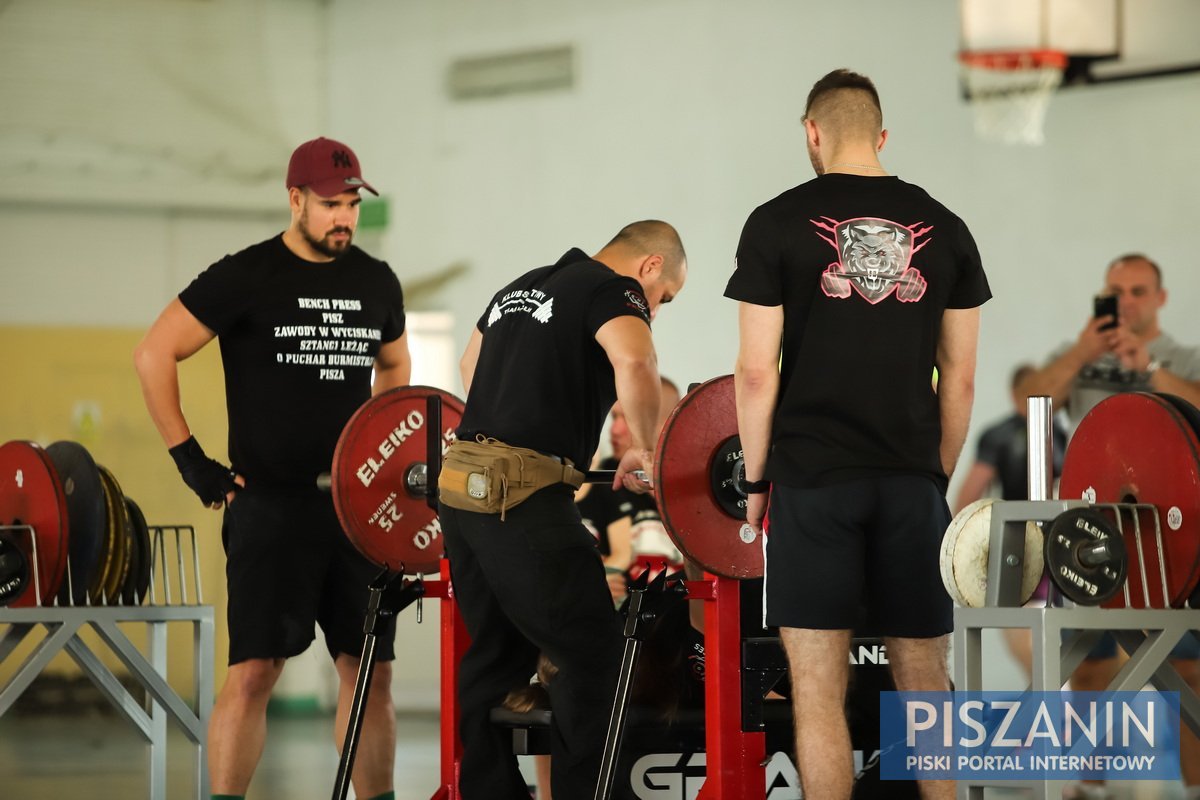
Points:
point(1148, 635)
point(63, 625)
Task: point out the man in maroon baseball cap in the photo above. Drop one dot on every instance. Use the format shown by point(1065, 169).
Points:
point(310, 327)
point(326, 167)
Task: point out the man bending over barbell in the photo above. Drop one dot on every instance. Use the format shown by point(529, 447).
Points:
point(551, 353)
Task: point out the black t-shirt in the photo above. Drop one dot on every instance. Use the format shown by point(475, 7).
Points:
point(298, 342)
point(856, 396)
point(598, 509)
point(541, 380)
point(1003, 446)
point(601, 507)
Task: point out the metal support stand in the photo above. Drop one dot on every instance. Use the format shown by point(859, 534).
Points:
point(1148, 635)
point(734, 758)
point(454, 644)
point(390, 594)
point(63, 626)
point(645, 604)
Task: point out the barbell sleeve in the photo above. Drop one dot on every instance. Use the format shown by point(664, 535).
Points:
point(1097, 554)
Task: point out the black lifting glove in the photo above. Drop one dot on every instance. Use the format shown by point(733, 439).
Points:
point(209, 479)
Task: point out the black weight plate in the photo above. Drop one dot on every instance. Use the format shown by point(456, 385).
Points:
point(117, 538)
point(86, 514)
point(728, 466)
point(137, 583)
point(14, 570)
point(1085, 584)
point(1192, 415)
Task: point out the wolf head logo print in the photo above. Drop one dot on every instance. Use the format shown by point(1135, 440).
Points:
point(874, 256)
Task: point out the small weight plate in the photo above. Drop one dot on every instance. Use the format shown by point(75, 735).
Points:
point(1079, 581)
point(14, 569)
point(728, 466)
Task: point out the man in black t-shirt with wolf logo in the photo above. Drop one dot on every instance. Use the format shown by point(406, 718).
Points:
point(852, 288)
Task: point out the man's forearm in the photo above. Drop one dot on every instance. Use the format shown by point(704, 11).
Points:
point(159, 378)
point(389, 378)
point(955, 396)
point(1054, 380)
point(757, 393)
point(639, 390)
point(1167, 382)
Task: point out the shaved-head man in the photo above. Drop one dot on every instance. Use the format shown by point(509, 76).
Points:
point(552, 352)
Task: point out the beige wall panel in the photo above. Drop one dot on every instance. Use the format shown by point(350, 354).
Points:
point(79, 384)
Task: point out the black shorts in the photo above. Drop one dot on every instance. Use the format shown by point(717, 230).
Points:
point(858, 555)
point(289, 568)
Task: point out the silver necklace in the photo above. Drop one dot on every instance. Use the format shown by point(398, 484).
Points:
point(857, 166)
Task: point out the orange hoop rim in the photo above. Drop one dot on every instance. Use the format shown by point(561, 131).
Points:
point(1011, 60)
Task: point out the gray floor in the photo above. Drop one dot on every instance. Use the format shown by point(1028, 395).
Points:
point(97, 757)
point(100, 758)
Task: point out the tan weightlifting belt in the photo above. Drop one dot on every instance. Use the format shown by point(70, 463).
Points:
point(489, 476)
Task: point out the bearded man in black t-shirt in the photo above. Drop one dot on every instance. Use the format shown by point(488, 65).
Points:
point(304, 320)
point(853, 287)
point(552, 352)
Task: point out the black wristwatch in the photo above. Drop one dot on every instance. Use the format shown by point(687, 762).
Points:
point(754, 487)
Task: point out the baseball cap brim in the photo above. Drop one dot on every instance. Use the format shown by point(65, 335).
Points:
point(335, 186)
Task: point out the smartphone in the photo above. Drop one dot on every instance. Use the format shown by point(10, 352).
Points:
point(1105, 306)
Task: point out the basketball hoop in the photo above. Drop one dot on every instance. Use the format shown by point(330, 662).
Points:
point(1009, 91)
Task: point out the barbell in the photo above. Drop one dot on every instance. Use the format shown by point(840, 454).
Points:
point(382, 474)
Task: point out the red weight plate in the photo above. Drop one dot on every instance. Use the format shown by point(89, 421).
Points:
point(703, 421)
point(31, 494)
point(385, 439)
point(1137, 447)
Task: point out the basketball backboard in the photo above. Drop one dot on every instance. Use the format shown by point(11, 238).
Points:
point(1104, 40)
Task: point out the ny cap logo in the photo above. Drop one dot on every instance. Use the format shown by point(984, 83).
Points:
point(342, 160)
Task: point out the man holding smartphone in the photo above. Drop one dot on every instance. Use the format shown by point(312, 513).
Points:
point(1122, 349)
